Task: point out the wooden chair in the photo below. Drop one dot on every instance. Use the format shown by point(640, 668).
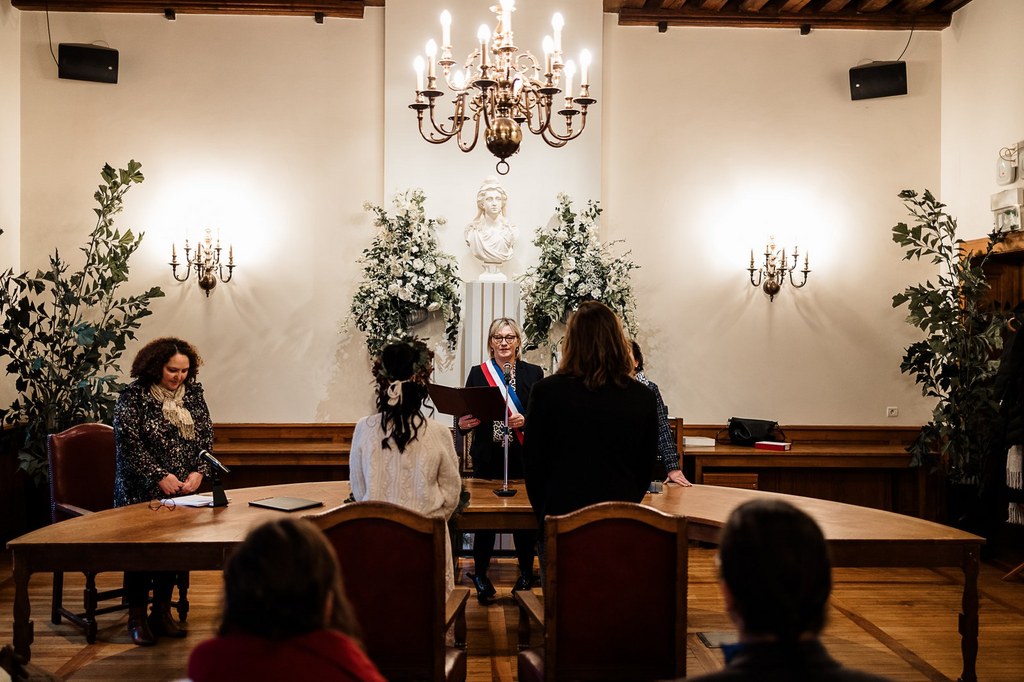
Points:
point(392, 563)
point(614, 605)
point(82, 463)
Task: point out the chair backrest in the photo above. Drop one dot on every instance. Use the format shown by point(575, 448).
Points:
point(392, 564)
point(615, 588)
point(82, 466)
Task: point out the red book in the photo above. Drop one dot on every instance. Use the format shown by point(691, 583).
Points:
point(772, 445)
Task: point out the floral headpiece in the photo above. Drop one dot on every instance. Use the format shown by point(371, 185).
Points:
point(422, 367)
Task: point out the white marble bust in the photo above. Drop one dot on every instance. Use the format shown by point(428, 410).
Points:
point(491, 237)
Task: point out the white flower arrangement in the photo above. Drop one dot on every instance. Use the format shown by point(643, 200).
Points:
point(575, 267)
point(404, 272)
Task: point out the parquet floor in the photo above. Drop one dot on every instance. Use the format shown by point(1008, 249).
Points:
point(896, 622)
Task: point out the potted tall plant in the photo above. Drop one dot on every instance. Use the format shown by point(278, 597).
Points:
point(956, 360)
point(64, 330)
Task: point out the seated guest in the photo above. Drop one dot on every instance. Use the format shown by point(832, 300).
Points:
point(487, 447)
point(776, 577)
point(593, 434)
point(161, 423)
point(667, 455)
point(400, 456)
point(285, 613)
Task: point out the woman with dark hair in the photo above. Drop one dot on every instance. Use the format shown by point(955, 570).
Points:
point(161, 423)
point(285, 613)
point(398, 455)
point(487, 447)
point(593, 433)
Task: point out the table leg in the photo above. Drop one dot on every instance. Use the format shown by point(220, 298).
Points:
point(969, 615)
point(23, 632)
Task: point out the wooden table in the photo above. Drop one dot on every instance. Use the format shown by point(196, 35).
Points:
point(137, 538)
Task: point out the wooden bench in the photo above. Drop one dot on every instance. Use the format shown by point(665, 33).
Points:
point(268, 454)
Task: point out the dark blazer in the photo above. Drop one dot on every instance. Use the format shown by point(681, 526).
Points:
point(488, 455)
point(780, 662)
point(584, 447)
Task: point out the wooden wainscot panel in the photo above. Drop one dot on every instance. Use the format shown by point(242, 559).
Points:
point(268, 454)
point(863, 465)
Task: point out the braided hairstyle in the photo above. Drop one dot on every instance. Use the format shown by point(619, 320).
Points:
point(402, 371)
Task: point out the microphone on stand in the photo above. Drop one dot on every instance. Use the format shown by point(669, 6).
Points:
point(504, 490)
point(219, 498)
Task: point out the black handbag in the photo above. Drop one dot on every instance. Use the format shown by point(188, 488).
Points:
point(743, 431)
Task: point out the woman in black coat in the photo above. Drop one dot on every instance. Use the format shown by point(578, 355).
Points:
point(593, 433)
point(487, 450)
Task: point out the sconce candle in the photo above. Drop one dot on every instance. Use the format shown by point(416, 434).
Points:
point(772, 275)
point(206, 263)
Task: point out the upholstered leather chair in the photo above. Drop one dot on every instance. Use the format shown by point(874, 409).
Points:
point(614, 603)
point(82, 466)
point(392, 564)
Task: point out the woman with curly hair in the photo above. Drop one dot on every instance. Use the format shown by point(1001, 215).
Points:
point(161, 423)
point(398, 455)
point(286, 616)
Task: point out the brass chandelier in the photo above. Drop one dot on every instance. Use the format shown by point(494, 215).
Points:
point(503, 87)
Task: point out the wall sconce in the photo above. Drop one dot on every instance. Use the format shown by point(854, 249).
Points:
point(772, 274)
point(206, 263)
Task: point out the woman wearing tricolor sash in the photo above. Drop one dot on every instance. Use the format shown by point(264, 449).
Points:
point(487, 448)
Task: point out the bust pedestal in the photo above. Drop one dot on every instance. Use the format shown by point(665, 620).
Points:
point(485, 301)
point(491, 273)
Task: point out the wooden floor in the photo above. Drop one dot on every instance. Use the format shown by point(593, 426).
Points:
point(900, 623)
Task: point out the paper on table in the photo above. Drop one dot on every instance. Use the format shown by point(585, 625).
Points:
point(190, 501)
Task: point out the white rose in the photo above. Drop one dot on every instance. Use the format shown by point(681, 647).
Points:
point(560, 289)
point(595, 294)
point(430, 269)
point(434, 306)
point(417, 263)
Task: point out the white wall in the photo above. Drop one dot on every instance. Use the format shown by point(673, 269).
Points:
point(269, 129)
point(982, 106)
point(10, 128)
point(276, 130)
point(716, 138)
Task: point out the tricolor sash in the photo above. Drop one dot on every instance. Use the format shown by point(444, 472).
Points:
point(495, 377)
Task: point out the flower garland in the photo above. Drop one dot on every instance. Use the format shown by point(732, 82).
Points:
point(404, 272)
point(574, 267)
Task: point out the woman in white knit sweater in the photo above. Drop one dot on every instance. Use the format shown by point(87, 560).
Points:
point(398, 455)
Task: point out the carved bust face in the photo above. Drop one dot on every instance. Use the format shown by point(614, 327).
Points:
point(491, 203)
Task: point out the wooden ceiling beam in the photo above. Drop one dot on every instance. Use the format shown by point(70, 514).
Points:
point(879, 21)
point(343, 9)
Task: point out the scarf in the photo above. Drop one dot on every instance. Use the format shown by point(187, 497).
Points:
point(174, 409)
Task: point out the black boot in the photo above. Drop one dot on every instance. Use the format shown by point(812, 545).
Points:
point(525, 582)
point(161, 623)
point(138, 627)
point(484, 589)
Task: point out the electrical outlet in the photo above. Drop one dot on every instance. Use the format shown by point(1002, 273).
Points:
point(892, 412)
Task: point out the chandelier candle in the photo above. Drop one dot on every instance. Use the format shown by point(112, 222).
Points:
point(502, 88)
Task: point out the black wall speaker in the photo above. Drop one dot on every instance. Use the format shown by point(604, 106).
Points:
point(878, 79)
point(87, 63)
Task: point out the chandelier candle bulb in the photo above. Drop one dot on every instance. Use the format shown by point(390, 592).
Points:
point(557, 23)
point(584, 69)
point(431, 55)
point(483, 35)
point(446, 30)
point(549, 48)
point(506, 16)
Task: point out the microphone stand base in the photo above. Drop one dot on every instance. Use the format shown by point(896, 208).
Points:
point(220, 499)
point(505, 492)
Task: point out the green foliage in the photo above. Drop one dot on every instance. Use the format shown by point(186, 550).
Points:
point(957, 360)
point(65, 330)
point(404, 271)
point(575, 267)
